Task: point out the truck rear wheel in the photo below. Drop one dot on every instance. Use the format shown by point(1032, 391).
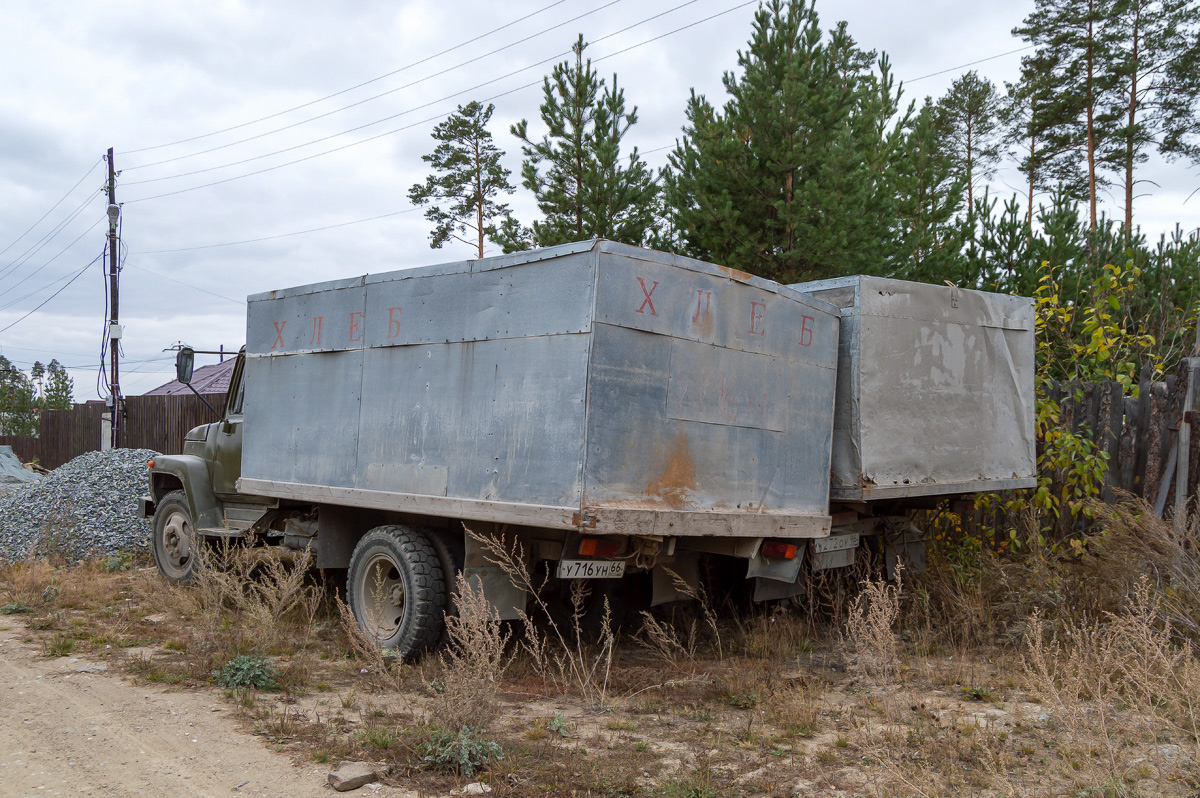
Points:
point(175, 540)
point(397, 591)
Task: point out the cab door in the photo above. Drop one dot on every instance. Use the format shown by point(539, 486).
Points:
point(226, 455)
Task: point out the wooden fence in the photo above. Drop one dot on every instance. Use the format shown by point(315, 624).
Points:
point(151, 422)
point(1142, 435)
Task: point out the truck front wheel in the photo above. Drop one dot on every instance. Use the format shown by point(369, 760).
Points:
point(397, 591)
point(175, 539)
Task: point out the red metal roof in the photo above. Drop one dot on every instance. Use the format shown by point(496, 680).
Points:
point(205, 379)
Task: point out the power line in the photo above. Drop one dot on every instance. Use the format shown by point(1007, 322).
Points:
point(47, 351)
point(399, 114)
point(351, 88)
point(44, 265)
point(38, 245)
point(47, 299)
point(186, 285)
point(280, 235)
point(52, 207)
point(93, 365)
point(972, 63)
point(426, 105)
point(358, 103)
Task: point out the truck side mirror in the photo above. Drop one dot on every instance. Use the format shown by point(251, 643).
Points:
point(183, 364)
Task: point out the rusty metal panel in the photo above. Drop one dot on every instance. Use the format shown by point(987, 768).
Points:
point(641, 457)
point(935, 389)
point(707, 390)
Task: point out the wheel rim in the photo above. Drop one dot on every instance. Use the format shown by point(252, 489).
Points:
point(382, 591)
point(177, 538)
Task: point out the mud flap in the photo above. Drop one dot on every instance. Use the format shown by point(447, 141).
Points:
point(506, 597)
point(666, 587)
point(776, 578)
point(904, 543)
point(774, 590)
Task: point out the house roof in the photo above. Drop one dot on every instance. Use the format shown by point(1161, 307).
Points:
point(212, 379)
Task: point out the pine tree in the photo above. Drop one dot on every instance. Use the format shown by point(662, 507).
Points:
point(969, 129)
point(1158, 72)
point(584, 186)
point(60, 388)
point(467, 181)
point(791, 179)
point(928, 195)
point(1076, 38)
point(1031, 108)
point(1001, 261)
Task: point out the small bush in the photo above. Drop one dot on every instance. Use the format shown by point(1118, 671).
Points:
point(248, 671)
point(460, 754)
point(117, 562)
point(14, 608)
point(473, 662)
point(873, 613)
point(61, 646)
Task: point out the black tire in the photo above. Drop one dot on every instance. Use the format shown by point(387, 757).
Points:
point(176, 543)
point(451, 553)
point(396, 590)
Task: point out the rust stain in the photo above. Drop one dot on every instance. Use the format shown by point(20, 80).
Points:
point(735, 274)
point(582, 521)
point(677, 474)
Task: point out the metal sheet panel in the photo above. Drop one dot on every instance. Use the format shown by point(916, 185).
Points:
point(485, 390)
point(295, 321)
point(707, 392)
point(551, 297)
point(301, 417)
point(504, 419)
point(728, 308)
point(723, 386)
point(935, 389)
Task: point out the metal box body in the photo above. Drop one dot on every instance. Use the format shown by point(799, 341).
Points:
point(935, 391)
point(591, 386)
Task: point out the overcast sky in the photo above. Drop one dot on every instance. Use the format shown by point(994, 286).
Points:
point(202, 78)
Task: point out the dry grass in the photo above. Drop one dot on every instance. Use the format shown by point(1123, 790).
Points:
point(382, 669)
point(676, 643)
point(1108, 681)
point(1071, 676)
point(473, 662)
point(562, 655)
point(869, 629)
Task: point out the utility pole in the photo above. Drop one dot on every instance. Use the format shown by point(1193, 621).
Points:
point(114, 329)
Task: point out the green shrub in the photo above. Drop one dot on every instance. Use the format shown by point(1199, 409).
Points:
point(117, 562)
point(248, 671)
point(15, 608)
point(460, 754)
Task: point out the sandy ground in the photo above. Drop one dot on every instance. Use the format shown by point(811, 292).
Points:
point(66, 732)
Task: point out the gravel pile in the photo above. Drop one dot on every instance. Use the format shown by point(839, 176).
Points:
point(84, 508)
point(12, 473)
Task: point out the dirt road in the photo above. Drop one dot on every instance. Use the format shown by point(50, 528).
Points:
point(67, 731)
